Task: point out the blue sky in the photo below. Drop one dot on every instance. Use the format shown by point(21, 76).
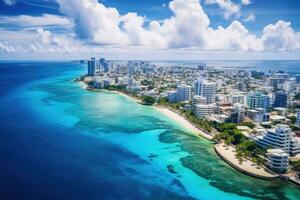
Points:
point(144, 29)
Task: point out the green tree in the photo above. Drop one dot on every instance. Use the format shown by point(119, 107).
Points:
point(147, 100)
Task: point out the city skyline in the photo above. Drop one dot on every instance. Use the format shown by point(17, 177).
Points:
point(166, 30)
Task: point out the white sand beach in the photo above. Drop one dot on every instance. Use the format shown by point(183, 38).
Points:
point(227, 153)
point(183, 122)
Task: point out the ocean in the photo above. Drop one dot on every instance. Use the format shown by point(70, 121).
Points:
point(267, 66)
point(59, 141)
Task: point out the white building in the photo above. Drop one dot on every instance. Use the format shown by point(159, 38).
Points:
point(288, 86)
point(198, 100)
point(277, 160)
point(184, 93)
point(202, 110)
point(206, 89)
point(276, 138)
point(295, 145)
point(235, 97)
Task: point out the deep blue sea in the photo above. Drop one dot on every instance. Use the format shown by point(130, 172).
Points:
point(59, 141)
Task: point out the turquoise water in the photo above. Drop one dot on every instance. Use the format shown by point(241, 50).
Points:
point(147, 143)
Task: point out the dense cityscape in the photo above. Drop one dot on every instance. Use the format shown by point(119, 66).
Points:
point(253, 117)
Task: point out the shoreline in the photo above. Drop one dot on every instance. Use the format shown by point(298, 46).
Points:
point(125, 95)
point(247, 167)
point(184, 122)
point(170, 114)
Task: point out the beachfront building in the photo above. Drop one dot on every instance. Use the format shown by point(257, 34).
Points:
point(295, 145)
point(257, 99)
point(91, 67)
point(206, 89)
point(184, 93)
point(277, 160)
point(198, 100)
point(203, 110)
point(280, 137)
point(280, 99)
point(172, 96)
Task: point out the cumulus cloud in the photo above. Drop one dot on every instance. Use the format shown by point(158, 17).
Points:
point(93, 21)
point(280, 36)
point(189, 27)
point(230, 8)
point(95, 27)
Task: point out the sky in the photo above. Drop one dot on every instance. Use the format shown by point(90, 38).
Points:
point(150, 29)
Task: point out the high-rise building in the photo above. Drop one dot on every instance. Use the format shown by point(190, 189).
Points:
point(202, 110)
point(198, 100)
point(280, 99)
point(258, 100)
point(130, 68)
point(91, 67)
point(198, 87)
point(206, 89)
point(184, 93)
point(276, 81)
point(237, 115)
point(103, 64)
point(172, 96)
point(201, 67)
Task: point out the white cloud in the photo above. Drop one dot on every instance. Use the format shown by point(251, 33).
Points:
point(132, 25)
point(250, 18)
point(9, 2)
point(188, 25)
point(45, 36)
point(246, 2)
point(94, 22)
point(4, 48)
point(230, 8)
point(98, 28)
point(33, 21)
point(234, 37)
point(280, 37)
